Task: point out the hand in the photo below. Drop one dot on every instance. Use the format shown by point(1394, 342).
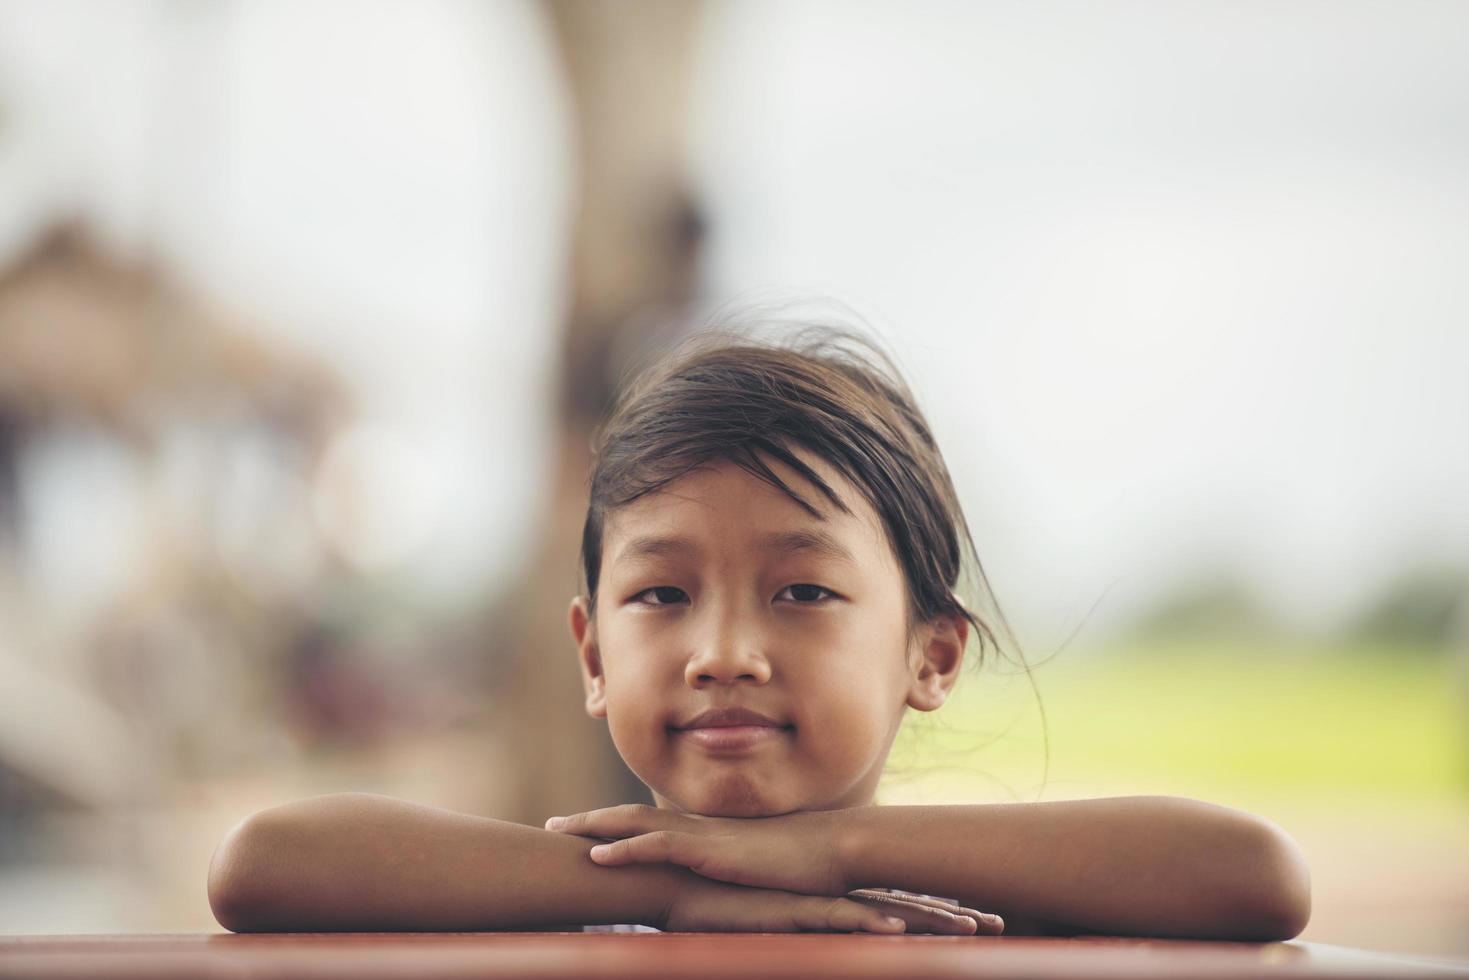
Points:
point(702, 905)
point(795, 852)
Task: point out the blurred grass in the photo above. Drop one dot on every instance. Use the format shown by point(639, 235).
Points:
point(1220, 720)
point(1361, 753)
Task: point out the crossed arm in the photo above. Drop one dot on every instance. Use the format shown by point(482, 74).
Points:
point(1148, 866)
point(1145, 866)
point(361, 862)
point(1142, 865)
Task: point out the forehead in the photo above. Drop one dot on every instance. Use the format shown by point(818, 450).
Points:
point(720, 505)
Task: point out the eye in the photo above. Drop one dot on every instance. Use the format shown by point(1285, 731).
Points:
point(661, 595)
point(805, 594)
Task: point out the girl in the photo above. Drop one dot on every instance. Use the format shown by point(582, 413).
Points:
point(771, 553)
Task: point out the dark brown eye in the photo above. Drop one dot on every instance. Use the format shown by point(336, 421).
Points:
point(661, 595)
point(805, 594)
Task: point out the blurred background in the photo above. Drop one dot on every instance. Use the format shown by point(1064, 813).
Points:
point(307, 311)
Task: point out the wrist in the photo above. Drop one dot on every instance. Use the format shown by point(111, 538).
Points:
point(661, 892)
point(852, 844)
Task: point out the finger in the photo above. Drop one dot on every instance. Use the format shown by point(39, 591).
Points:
point(616, 821)
point(895, 916)
point(989, 924)
point(843, 915)
point(988, 921)
point(922, 916)
point(926, 918)
point(659, 847)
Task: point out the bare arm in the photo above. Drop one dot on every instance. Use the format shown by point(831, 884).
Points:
point(1139, 865)
point(358, 862)
point(355, 861)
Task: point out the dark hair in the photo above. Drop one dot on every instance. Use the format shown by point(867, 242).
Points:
point(727, 396)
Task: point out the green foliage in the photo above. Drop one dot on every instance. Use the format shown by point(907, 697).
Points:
point(1427, 607)
point(1220, 606)
point(1218, 720)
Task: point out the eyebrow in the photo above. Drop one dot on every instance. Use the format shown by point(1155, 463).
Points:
point(818, 543)
point(653, 546)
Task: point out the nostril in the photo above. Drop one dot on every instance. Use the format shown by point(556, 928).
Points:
point(727, 679)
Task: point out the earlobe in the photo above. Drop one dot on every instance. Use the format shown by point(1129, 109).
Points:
point(589, 657)
point(941, 649)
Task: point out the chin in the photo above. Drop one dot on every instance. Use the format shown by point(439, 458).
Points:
point(735, 795)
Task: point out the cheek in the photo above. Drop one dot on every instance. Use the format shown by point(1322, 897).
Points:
point(853, 710)
point(637, 736)
point(633, 692)
point(637, 699)
point(848, 698)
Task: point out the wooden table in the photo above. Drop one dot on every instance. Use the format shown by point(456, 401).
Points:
point(708, 956)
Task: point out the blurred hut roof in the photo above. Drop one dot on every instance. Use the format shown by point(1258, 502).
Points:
point(90, 338)
point(85, 334)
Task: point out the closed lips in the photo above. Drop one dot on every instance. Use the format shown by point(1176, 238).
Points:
point(731, 718)
point(732, 732)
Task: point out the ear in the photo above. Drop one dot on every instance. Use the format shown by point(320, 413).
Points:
point(592, 680)
point(941, 648)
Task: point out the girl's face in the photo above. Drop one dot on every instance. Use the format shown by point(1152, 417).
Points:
point(721, 592)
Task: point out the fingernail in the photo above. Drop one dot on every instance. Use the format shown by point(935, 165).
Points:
point(892, 922)
point(599, 850)
point(989, 917)
point(554, 822)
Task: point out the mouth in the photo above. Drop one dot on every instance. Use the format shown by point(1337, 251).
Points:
point(733, 738)
point(731, 729)
point(730, 718)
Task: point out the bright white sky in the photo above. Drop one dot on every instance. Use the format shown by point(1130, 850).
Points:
point(1183, 286)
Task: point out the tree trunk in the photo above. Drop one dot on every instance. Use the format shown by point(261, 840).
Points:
point(634, 249)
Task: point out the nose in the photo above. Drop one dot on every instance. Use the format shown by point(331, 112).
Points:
point(728, 653)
